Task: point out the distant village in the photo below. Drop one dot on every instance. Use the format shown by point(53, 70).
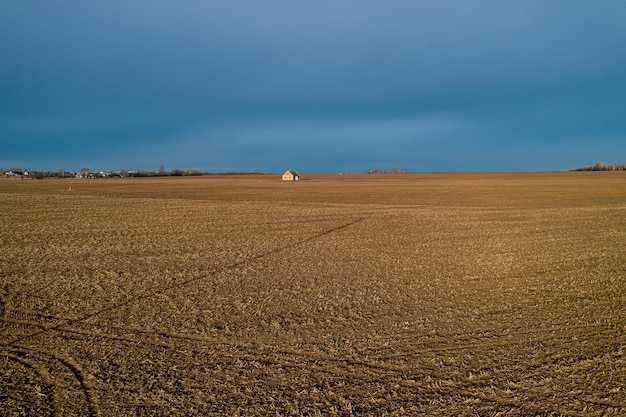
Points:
point(88, 173)
point(603, 166)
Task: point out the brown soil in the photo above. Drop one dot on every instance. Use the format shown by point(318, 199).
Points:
point(423, 294)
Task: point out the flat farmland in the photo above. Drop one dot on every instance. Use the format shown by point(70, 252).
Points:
point(488, 294)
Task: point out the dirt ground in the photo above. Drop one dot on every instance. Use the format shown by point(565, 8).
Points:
point(487, 294)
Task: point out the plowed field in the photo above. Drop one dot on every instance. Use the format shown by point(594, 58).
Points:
point(422, 294)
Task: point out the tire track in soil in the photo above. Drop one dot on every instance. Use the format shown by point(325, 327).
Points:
point(51, 398)
point(379, 362)
point(29, 318)
point(379, 372)
point(462, 341)
point(253, 352)
point(536, 335)
point(163, 339)
point(59, 401)
point(183, 283)
point(470, 342)
point(81, 377)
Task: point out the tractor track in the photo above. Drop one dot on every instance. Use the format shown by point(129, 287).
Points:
point(63, 377)
point(36, 360)
point(162, 290)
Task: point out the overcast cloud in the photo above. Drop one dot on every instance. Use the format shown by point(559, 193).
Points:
point(323, 86)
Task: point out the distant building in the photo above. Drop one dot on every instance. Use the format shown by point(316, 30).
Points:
point(15, 172)
point(291, 175)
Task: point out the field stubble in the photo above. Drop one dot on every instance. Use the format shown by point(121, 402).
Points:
point(429, 294)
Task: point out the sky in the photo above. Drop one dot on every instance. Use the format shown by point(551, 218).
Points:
point(316, 86)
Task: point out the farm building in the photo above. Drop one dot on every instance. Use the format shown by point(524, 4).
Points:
point(290, 175)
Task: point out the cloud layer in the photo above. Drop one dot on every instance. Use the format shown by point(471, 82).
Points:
point(327, 86)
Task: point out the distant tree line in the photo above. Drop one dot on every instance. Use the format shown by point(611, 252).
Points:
point(162, 173)
point(392, 171)
point(603, 166)
point(180, 173)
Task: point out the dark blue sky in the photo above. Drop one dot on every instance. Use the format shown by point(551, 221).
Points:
point(318, 86)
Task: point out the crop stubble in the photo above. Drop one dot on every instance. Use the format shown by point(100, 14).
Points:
point(425, 294)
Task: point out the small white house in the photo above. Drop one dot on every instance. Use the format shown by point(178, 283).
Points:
point(291, 175)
